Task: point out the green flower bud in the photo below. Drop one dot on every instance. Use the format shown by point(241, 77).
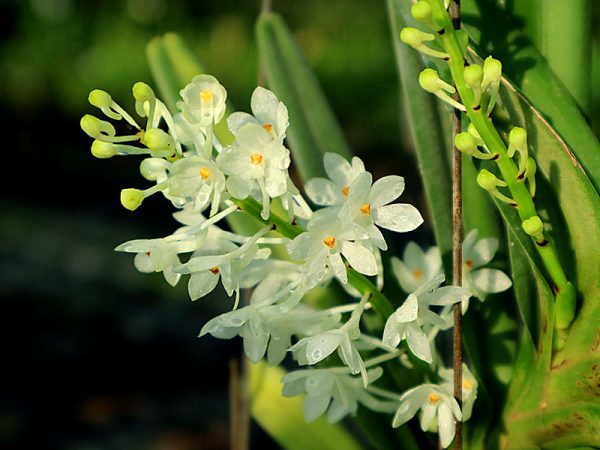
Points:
point(100, 99)
point(518, 138)
point(492, 69)
point(131, 198)
point(156, 139)
point(104, 150)
point(422, 12)
point(96, 128)
point(414, 37)
point(465, 143)
point(473, 76)
point(533, 226)
point(142, 92)
point(487, 180)
point(429, 80)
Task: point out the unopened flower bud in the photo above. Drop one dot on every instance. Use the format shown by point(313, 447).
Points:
point(533, 226)
point(156, 139)
point(96, 128)
point(465, 143)
point(100, 99)
point(104, 150)
point(131, 198)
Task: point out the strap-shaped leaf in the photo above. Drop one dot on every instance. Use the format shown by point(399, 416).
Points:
point(313, 128)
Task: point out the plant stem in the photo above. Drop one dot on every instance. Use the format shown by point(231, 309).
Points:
point(457, 243)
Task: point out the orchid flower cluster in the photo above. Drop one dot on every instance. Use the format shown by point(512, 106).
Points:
point(288, 257)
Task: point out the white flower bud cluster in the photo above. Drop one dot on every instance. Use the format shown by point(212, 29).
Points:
point(207, 181)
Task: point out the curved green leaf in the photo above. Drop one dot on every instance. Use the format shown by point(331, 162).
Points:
point(313, 128)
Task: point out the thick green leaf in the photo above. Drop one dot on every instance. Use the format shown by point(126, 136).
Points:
point(313, 128)
point(495, 33)
point(560, 30)
point(283, 419)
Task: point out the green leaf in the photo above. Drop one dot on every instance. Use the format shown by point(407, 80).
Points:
point(283, 419)
point(313, 128)
point(494, 33)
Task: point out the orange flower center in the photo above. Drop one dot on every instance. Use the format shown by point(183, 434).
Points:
point(345, 191)
point(433, 398)
point(256, 158)
point(204, 173)
point(329, 241)
point(469, 263)
point(365, 209)
point(467, 384)
point(418, 273)
point(268, 127)
point(214, 270)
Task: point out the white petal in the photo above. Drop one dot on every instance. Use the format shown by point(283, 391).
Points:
point(237, 120)
point(264, 104)
point(446, 295)
point(322, 191)
point(255, 340)
point(360, 258)
point(276, 182)
point(142, 263)
point(315, 406)
point(428, 413)
point(321, 346)
point(392, 332)
point(446, 426)
point(360, 186)
point(490, 280)
point(411, 401)
point(301, 247)
point(338, 169)
point(406, 277)
point(239, 187)
point(386, 190)
point(469, 244)
point(202, 263)
point(418, 342)
point(484, 251)
point(202, 283)
point(399, 217)
point(409, 310)
point(338, 267)
point(376, 237)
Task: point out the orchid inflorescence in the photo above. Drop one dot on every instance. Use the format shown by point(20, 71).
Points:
point(293, 254)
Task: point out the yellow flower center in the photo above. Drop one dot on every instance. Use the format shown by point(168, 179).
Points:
point(329, 241)
point(268, 127)
point(365, 209)
point(469, 263)
point(433, 398)
point(467, 384)
point(205, 173)
point(418, 273)
point(206, 95)
point(214, 270)
point(345, 191)
point(256, 158)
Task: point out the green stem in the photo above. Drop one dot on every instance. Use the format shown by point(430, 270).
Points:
point(361, 283)
point(484, 126)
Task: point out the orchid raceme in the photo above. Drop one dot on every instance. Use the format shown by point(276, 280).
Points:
point(341, 242)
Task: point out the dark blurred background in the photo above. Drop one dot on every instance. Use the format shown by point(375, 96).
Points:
point(94, 354)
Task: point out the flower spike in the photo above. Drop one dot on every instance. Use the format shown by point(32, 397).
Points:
point(492, 73)
point(488, 181)
point(466, 143)
point(416, 38)
point(431, 82)
point(517, 141)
